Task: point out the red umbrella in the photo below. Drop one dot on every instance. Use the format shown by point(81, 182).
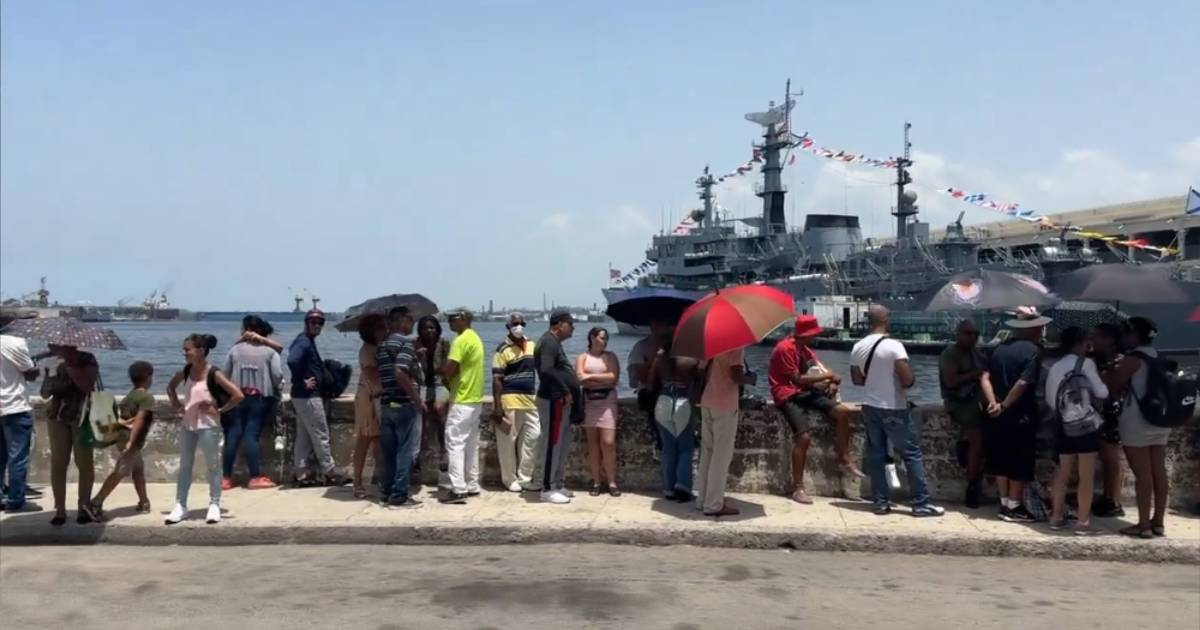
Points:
point(731, 318)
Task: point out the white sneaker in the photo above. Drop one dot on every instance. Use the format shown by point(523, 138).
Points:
point(178, 513)
point(514, 486)
point(214, 514)
point(555, 497)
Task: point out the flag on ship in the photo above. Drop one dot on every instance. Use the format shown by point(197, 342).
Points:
point(1193, 202)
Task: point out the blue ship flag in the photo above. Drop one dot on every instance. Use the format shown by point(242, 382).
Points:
point(1193, 202)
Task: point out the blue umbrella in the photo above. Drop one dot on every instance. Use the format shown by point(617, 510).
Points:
point(652, 304)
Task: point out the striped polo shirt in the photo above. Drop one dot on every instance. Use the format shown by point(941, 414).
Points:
point(397, 351)
point(517, 372)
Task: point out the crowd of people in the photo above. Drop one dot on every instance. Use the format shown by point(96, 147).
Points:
point(420, 397)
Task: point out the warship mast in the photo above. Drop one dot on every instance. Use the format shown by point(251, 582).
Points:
point(906, 200)
point(705, 183)
point(776, 122)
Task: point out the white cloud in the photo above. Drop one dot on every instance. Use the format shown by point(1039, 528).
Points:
point(559, 221)
point(630, 219)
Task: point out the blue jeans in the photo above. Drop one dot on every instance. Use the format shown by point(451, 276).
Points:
point(14, 456)
point(245, 428)
point(398, 429)
point(677, 453)
point(209, 441)
point(897, 426)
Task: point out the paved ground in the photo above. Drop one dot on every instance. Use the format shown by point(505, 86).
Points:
point(333, 516)
point(576, 586)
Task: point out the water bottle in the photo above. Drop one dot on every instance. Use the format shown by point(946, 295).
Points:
point(893, 478)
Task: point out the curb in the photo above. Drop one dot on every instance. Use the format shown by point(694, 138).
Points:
point(339, 533)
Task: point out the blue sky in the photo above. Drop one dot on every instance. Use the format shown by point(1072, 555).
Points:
point(477, 151)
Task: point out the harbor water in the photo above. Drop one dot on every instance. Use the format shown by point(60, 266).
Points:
point(161, 344)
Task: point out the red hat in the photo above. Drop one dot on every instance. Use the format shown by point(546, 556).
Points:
point(807, 326)
point(314, 313)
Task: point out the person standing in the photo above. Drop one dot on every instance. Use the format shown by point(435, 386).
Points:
point(800, 384)
point(1010, 436)
point(253, 366)
point(1106, 349)
point(1145, 444)
point(599, 371)
point(67, 390)
point(16, 418)
point(399, 422)
point(557, 387)
point(641, 356)
point(1065, 382)
point(372, 330)
point(432, 353)
point(514, 390)
point(677, 379)
point(312, 428)
point(963, 377)
point(464, 372)
point(200, 425)
point(880, 365)
point(718, 431)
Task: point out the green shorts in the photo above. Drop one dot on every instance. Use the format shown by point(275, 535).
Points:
point(968, 414)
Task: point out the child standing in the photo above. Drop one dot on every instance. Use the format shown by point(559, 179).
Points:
point(137, 413)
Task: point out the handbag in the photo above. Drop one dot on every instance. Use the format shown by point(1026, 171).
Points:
point(99, 424)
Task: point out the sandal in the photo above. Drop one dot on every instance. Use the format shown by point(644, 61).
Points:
point(143, 507)
point(1158, 530)
point(595, 492)
point(1135, 531)
point(360, 492)
point(613, 490)
point(59, 520)
point(801, 497)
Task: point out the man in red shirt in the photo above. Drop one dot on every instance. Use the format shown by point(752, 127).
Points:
point(801, 383)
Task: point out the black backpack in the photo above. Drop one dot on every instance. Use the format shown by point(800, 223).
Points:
point(335, 380)
point(1170, 397)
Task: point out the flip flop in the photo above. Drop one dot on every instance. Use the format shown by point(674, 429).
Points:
point(802, 497)
point(1134, 531)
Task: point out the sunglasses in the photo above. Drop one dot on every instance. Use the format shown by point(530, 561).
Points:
point(319, 322)
point(517, 323)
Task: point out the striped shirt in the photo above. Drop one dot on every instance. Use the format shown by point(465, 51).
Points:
point(517, 372)
point(397, 352)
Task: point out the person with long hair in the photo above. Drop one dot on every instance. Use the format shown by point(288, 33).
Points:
point(1145, 444)
point(372, 330)
point(1106, 350)
point(1080, 448)
point(677, 381)
point(200, 424)
point(599, 371)
point(432, 352)
point(253, 365)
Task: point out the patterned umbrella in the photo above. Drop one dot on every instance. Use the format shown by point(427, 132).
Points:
point(65, 331)
point(730, 319)
point(1121, 282)
point(987, 290)
point(418, 304)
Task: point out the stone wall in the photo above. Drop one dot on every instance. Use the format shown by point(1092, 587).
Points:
point(760, 464)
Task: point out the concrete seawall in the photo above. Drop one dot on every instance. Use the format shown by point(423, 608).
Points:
point(760, 463)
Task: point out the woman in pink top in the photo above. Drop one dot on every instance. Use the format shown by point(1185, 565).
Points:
point(200, 424)
point(599, 371)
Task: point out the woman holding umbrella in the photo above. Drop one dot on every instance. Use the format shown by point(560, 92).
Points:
point(67, 390)
point(677, 380)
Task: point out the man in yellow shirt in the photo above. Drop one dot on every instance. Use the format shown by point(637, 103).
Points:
point(464, 372)
point(514, 385)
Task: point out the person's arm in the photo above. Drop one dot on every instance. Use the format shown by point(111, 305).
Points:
point(1014, 395)
point(580, 374)
point(172, 395)
point(18, 353)
point(235, 393)
point(254, 337)
point(614, 368)
point(808, 380)
point(547, 365)
point(136, 424)
point(856, 376)
point(298, 362)
point(1093, 375)
point(275, 371)
point(904, 373)
point(639, 372)
point(653, 381)
point(989, 392)
point(402, 366)
point(952, 377)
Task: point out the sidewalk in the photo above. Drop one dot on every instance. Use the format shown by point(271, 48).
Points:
point(333, 516)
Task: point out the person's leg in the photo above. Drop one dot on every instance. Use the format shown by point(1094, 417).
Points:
point(592, 435)
point(840, 415)
point(608, 455)
point(1158, 476)
point(685, 451)
point(706, 452)
point(974, 469)
point(303, 446)
point(1143, 481)
point(876, 455)
point(18, 435)
point(138, 474)
point(905, 434)
point(1110, 464)
point(318, 431)
point(234, 429)
point(4, 441)
point(361, 446)
point(252, 433)
point(1087, 480)
point(418, 434)
point(60, 458)
point(723, 437)
point(668, 457)
point(471, 450)
point(389, 444)
point(528, 428)
point(405, 428)
point(86, 467)
point(124, 466)
point(545, 443)
point(456, 446)
point(210, 444)
point(1058, 489)
point(187, 460)
point(506, 448)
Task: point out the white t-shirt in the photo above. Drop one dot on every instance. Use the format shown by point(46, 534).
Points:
point(1059, 371)
point(883, 386)
point(14, 362)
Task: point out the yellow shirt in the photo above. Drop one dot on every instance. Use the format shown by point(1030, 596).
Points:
point(517, 371)
point(467, 385)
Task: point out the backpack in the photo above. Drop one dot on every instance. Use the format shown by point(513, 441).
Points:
point(335, 378)
point(218, 393)
point(1170, 397)
point(1075, 405)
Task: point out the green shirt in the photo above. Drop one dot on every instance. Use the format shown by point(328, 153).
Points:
point(467, 385)
point(135, 401)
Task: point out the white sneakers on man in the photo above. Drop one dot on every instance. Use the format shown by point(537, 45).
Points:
point(178, 513)
point(214, 514)
point(514, 486)
point(556, 497)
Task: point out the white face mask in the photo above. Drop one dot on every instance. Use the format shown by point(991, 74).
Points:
point(518, 331)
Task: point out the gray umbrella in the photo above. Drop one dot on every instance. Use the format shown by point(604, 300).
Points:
point(417, 304)
point(65, 331)
point(1120, 282)
point(987, 290)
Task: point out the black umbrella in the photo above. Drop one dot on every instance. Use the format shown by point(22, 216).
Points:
point(65, 331)
point(988, 290)
point(663, 305)
point(1120, 282)
point(417, 304)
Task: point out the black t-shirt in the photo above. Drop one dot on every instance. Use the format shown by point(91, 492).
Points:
point(556, 376)
point(1013, 361)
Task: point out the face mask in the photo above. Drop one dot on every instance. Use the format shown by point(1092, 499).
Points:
point(517, 331)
